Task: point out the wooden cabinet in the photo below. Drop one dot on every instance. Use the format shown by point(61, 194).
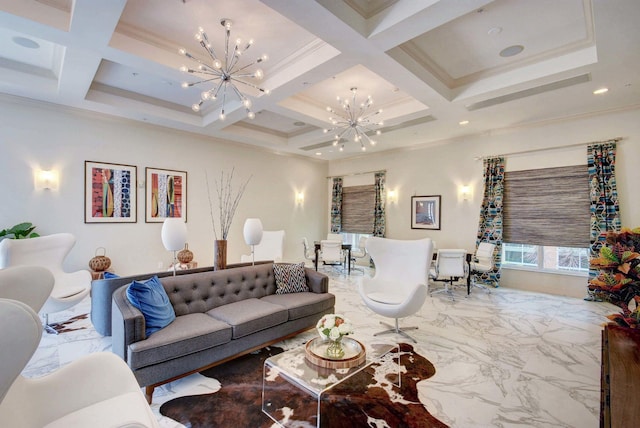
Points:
point(620, 378)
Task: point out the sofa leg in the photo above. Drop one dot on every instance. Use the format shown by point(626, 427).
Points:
point(148, 393)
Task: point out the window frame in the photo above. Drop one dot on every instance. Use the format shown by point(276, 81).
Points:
point(540, 266)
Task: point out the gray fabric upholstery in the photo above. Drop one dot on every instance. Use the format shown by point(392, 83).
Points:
point(300, 305)
point(187, 334)
point(219, 314)
point(250, 315)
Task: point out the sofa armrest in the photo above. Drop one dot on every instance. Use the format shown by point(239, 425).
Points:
point(317, 281)
point(127, 323)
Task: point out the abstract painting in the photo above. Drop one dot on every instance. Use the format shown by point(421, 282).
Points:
point(425, 212)
point(110, 193)
point(166, 195)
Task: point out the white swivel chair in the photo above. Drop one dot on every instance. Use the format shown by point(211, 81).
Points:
point(399, 286)
point(309, 253)
point(271, 247)
point(450, 266)
point(97, 390)
point(49, 252)
point(359, 252)
point(331, 252)
point(31, 285)
point(482, 262)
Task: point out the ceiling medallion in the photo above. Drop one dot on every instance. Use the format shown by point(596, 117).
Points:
point(354, 122)
point(224, 72)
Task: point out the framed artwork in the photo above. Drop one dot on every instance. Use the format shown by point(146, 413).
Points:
point(110, 193)
point(425, 212)
point(166, 195)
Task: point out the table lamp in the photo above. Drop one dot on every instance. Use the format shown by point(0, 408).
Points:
point(174, 236)
point(253, 235)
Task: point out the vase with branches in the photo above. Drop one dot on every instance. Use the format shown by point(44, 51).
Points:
point(228, 200)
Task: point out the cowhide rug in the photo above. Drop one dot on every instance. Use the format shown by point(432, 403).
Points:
point(364, 400)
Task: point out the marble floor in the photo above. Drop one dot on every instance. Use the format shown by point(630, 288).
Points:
point(505, 359)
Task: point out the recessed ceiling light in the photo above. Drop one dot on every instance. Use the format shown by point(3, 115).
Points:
point(494, 31)
point(318, 153)
point(25, 43)
point(511, 51)
point(464, 122)
point(600, 91)
point(299, 124)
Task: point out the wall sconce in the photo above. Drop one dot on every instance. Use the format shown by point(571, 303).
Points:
point(46, 180)
point(299, 198)
point(392, 196)
point(465, 192)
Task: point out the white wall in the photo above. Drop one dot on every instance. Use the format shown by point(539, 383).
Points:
point(35, 135)
point(440, 169)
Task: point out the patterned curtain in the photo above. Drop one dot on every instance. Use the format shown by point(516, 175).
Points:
point(379, 217)
point(336, 206)
point(490, 224)
point(605, 212)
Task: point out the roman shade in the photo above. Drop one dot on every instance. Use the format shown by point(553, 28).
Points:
point(548, 206)
point(358, 206)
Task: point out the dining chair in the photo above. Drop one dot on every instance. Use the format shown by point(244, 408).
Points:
point(482, 262)
point(334, 237)
point(331, 252)
point(449, 267)
point(309, 253)
point(359, 252)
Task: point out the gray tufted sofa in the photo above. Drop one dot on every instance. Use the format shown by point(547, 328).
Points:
point(219, 315)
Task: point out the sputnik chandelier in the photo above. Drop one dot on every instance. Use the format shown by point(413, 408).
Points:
point(224, 72)
point(354, 123)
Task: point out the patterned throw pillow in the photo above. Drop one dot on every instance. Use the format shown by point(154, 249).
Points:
point(290, 278)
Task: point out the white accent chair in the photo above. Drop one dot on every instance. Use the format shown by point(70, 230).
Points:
point(449, 267)
point(271, 247)
point(49, 252)
point(399, 286)
point(97, 390)
point(31, 285)
point(482, 262)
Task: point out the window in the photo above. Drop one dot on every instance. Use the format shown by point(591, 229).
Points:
point(545, 258)
point(358, 206)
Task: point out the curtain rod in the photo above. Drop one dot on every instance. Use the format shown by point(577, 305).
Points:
point(357, 173)
point(547, 148)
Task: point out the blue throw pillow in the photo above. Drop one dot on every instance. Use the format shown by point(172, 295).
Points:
point(109, 275)
point(151, 299)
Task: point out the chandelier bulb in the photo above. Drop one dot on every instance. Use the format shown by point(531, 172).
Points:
point(184, 69)
point(198, 37)
point(223, 116)
point(205, 95)
point(184, 84)
point(246, 102)
point(259, 74)
point(363, 148)
point(182, 51)
point(195, 107)
point(264, 57)
point(251, 115)
point(238, 41)
point(341, 148)
point(335, 143)
point(267, 91)
point(378, 132)
point(217, 64)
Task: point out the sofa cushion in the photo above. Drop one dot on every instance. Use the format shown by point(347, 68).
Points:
point(250, 315)
point(151, 299)
point(301, 305)
point(290, 278)
point(186, 335)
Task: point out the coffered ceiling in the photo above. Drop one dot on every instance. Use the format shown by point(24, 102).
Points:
point(428, 64)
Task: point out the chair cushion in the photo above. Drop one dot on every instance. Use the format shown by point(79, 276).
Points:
point(151, 299)
point(304, 304)
point(290, 278)
point(250, 315)
point(186, 335)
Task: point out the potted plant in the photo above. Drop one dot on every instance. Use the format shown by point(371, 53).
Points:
point(19, 231)
point(619, 279)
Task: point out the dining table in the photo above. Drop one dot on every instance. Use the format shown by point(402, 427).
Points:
point(345, 246)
